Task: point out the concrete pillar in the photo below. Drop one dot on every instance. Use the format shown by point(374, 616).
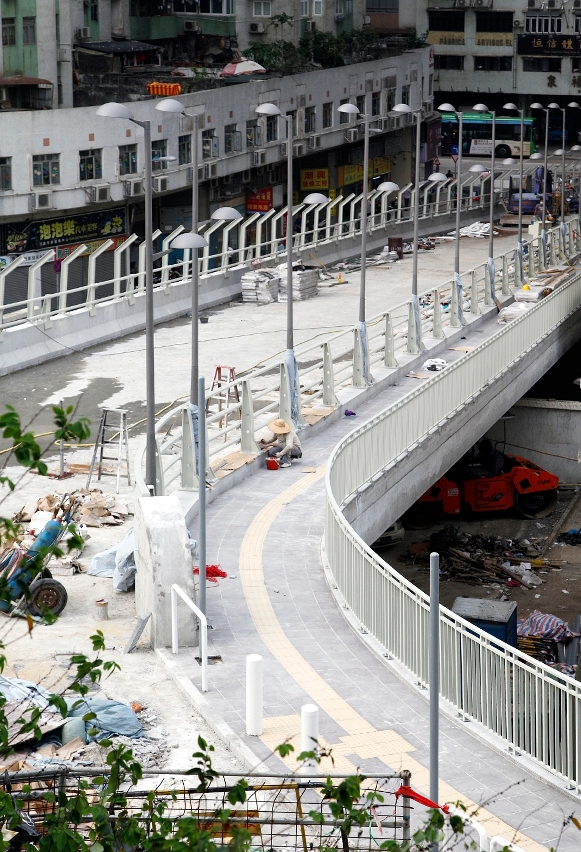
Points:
point(163, 557)
point(254, 695)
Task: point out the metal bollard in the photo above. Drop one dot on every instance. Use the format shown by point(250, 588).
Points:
point(254, 695)
point(310, 730)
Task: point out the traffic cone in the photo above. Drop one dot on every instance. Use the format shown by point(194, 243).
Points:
point(340, 278)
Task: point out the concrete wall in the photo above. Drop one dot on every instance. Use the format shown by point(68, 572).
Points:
point(163, 557)
point(545, 432)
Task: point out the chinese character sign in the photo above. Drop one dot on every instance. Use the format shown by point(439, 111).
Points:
point(549, 44)
point(260, 201)
point(70, 229)
point(314, 179)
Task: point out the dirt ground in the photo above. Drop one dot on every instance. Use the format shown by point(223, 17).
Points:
point(560, 592)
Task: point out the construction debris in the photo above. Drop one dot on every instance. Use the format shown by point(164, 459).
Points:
point(95, 510)
point(305, 282)
point(260, 287)
point(477, 230)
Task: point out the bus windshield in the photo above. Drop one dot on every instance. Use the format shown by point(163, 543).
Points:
point(477, 135)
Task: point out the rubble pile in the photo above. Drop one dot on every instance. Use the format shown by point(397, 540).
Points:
point(260, 288)
point(95, 509)
point(305, 283)
point(478, 560)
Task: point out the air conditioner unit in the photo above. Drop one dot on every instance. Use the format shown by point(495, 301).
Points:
point(191, 27)
point(478, 3)
point(214, 183)
point(297, 149)
point(532, 4)
point(83, 34)
point(518, 23)
point(283, 149)
point(201, 173)
point(310, 26)
point(551, 4)
point(227, 179)
point(190, 175)
point(98, 194)
point(314, 142)
point(258, 158)
point(255, 29)
point(577, 4)
point(61, 55)
point(352, 135)
point(260, 170)
point(160, 184)
point(339, 19)
point(210, 170)
point(461, 4)
point(246, 175)
point(41, 201)
point(133, 188)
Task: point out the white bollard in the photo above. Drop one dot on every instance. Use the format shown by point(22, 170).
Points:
point(310, 729)
point(254, 695)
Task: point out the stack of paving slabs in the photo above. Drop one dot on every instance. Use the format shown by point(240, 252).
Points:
point(261, 287)
point(305, 283)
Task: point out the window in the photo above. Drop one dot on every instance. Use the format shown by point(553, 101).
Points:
point(344, 116)
point(210, 145)
point(405, 94)
point(45, 169)
point(540, 63)
point(304, 8)
point(5, 173)
point(253, 134)
point(578, 24)
point(293, 117)
point(127, 160)
point(383, 6)
point(57, 27)
point(317, 7)
point(90, 164)
point(262, 9)
point(94, 10)
point(339, 7)
point(158, 150)
point(448, 62)
point(543, 24)
point(493, 63)
point(8, 31)
point(232, 139)
point(376, 103)
point(360, 104)
point(184, 149)
point(390, 100)
point(271, 128)
point(29, 31)
point(310, 120)
point(493, 22)
point(443, 21)
point(217, 7)
point(328, 114)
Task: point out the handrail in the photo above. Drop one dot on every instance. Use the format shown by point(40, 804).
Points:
point(530, 706)
point(175, 591)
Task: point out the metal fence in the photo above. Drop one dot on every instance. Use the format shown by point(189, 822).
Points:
point(532, 708)
point(238, 411)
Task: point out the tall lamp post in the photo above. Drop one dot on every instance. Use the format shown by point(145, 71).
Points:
point(545, 158)
point(456, 317)
point(291, 362)
point(414, 330)
point(561, 151)
point(519, 244)
point(491, 269)
point(115, 110)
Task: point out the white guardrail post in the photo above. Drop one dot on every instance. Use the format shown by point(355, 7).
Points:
point(175, 591)
point(92, 275)
point(35, 283)
point(64, 279)
point(3, 273)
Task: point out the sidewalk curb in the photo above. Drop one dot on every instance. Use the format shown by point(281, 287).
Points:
point(221, 728)
point(473, 728)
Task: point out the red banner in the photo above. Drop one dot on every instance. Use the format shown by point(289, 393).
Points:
point(259, 202)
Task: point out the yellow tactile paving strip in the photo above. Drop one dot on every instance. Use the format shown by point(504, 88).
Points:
point(362, 739)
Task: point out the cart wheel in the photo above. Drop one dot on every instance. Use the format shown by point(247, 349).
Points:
point(422, 515)
point(537, 505)
point(47, 594)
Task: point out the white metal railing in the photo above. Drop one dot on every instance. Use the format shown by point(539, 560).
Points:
point(534, 709)
point(254, 240)
point(325, 366)
point(175, 592)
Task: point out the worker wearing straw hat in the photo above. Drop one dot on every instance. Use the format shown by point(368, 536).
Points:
point(281, 442)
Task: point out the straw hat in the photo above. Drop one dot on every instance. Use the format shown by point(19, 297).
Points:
point(279, 427)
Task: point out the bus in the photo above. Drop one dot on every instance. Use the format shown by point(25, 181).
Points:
point(477, 134)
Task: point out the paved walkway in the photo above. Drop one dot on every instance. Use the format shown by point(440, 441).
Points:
point(267, 534)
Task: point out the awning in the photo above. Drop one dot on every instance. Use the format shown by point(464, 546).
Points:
point(119, 46)
point(19, 80)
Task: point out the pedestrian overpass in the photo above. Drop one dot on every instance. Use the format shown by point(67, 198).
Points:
point(383, 465)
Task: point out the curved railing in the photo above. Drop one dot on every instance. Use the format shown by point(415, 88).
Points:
point(239, 411)
point(532, 708)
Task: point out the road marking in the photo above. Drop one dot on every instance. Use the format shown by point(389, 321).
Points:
point(362, 738)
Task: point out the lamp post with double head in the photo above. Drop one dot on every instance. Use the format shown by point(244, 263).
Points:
point(543, 253)
point(519, 266)
point(456, 317)
point(115, 110)
point(491, 269)
point(561, 152)
point(269, 109)
point(414, 331)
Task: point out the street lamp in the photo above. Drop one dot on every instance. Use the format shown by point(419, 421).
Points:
point(519, 244)
point(291, 362)
point(491, 270)
point(456, 318)
point(536, 157)
point(561, 151)
point(365, 379)
point(115, 110)
point(414, 332)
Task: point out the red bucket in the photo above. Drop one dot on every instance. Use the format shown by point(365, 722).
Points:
point(272, 464)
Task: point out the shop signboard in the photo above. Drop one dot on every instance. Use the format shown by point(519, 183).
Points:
point(260, 201)
point(314, 179)
point(549, 44)
point(42, 235)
